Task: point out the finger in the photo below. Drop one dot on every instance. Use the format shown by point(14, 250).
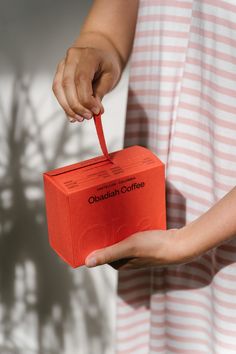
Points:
point(123, 249)
point(59, 92)
point(69, 87)
point(103, 85)
point(99, 102)
point(83, 79)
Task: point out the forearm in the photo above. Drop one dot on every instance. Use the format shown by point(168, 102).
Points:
point(214, 227)
point(110, 26)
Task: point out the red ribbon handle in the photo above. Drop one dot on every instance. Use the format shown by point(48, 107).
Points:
point(101, 138)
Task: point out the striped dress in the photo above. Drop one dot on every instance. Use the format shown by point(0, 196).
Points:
point(182, 106)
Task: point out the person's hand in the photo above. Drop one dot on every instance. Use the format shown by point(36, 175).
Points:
point(175, 246)
point(147, 249)
point(83, 78)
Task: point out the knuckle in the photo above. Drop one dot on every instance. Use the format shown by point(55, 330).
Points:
point(85, 101)
point(71, 52)
point(81, 76)
point(66, 82)
point(55, 86)
point(75, 107)
point(90, 54)
point(77, 81)
point(87, 50)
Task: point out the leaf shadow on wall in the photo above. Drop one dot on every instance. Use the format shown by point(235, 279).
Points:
point(32, 278)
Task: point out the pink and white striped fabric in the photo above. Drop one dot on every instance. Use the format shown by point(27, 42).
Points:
point(182, 105)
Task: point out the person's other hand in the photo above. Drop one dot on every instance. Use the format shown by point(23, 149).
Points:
point(82, 79)
point(146, 249)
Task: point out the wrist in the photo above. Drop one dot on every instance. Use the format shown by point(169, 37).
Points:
point(181, 245)
point(177, 246)
point(193, 240)
point(102, 42)
point(188, 245)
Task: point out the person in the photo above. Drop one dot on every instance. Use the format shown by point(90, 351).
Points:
point(177, 287)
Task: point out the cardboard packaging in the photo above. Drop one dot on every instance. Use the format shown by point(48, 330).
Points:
point(98, 202)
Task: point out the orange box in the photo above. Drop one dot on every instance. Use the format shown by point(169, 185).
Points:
point(96, 203)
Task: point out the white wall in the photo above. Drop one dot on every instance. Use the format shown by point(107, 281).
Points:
point(45, 307)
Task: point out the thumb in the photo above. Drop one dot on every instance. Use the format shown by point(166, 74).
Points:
point(99, 102)
point(122, 249)
point(103, 85)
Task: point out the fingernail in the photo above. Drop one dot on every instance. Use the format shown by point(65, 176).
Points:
point(87, 115)
point(96, 110)
point(72, 120)
point(91, 262)
point(80, 119)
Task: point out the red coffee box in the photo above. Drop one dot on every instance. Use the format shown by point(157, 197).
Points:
point(98, 202)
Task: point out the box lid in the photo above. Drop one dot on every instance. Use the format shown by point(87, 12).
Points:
point(99, 170)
